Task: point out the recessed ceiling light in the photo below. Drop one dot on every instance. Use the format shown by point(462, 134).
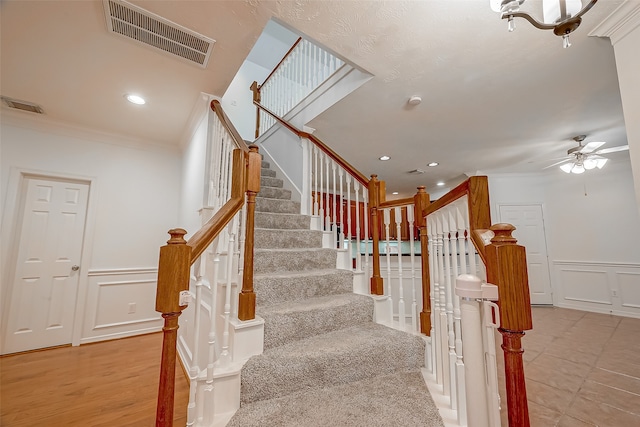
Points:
point(394, 193)
point(440, 184)
point(432, 164)
point(383, 158)
point(135, 99)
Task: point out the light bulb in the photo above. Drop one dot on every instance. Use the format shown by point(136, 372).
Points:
point(590, 164)
point(578, 168)
point(565, 41)
point(566, 167)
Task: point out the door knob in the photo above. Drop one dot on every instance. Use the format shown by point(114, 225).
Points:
point(75, 268)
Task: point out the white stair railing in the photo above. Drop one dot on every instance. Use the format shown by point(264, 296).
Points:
point(305, 67)
point(452, 253)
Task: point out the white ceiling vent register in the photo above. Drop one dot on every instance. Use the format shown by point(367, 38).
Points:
point(145, 27)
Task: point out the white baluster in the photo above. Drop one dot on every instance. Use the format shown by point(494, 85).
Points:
point(342, 207)
point(348, 229)
point(327, 203)
point(387, 238)
point(356, 188)
point(402, 313)
point(209, 388)
point(316, 206)
point(225, 356)
point(334, 213)
point(320, 195)
point(194, 370)
point(414, 304)
point(458, 365)
point(444, 333)
point(449, 296)
point(365, 198)
point(435, 297)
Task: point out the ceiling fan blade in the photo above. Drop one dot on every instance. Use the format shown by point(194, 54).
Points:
point(558, 163)
point(612, 149)
point(591, 147)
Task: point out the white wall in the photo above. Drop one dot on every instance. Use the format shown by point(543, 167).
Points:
point(596, 232)
point(237, 101)
point(135, 197)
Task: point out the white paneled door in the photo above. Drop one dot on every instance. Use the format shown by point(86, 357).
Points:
point(530, 233)
point(46, 274)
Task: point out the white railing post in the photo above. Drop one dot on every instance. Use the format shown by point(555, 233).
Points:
point(402, 321)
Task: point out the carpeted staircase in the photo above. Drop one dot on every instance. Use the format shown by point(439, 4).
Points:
point(325, 362)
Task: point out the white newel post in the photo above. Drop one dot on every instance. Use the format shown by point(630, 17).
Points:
point(472, 291)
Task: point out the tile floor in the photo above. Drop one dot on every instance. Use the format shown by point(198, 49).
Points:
point(582, 369)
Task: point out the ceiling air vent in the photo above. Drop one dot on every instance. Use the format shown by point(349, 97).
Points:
point(145, 27)
point(22, 105)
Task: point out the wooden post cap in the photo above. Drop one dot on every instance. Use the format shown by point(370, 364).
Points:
point(177, 236)
point(422, 189)
point(253, 148)
point(503, 235)
point(374, 177)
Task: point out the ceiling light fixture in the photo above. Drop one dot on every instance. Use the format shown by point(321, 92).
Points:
point(384, 158)
point(395, 193)
point(561, 16)
point(415, 100)
point(440, 184)
point(135, 99)
point(433, 164)
point(582, 163)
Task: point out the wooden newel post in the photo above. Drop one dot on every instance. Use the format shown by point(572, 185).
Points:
point(247, 298)
point(420, 203)
point(377, 287)
point(173, 277)
point(255, 88)
point(507, 268)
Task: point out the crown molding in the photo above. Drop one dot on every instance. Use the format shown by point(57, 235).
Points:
point(620, 23)
point(48, 125)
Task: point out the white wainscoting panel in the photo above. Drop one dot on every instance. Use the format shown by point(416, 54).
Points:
point(598, 286)
point(120, 303)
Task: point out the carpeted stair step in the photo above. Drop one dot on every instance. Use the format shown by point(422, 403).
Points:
point(281, 260)
point(277, 205)
point(267, 172)
point(281, 239)
point(398, 399)
point(267, 181)
point(275, 193)
point(265, 164)
point(282, 221)
point(292, 321)
point(289, 287)
point(351, 354)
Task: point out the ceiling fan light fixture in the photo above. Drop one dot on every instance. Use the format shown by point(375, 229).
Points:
point(590, 164)
point(577, 168)
point(567, 167)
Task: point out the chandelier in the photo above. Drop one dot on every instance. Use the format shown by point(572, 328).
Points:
point(561, 16)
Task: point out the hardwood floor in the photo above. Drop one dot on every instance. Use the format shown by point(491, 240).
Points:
point(103, 384)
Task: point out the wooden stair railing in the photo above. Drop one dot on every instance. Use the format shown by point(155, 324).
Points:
point(178, 255)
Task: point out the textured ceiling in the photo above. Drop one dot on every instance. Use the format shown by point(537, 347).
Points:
point(492, 100)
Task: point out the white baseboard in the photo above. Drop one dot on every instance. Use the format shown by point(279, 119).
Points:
point(118, 335)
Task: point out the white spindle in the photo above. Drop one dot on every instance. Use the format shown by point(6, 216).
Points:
point(458, 366)
point(348, 233)
point(451, 339)
point(387, 238)
point(327, 203)
point(316, 205)
point(320, 201)
point(342, 207)
point(209, 388)
point(334, 213)
point(444, 333)
point(414, 304)
point(365, 199)
point(225, 355)
point(402, 313)
point(194, 369)
point(356, 188)
point(435, 296)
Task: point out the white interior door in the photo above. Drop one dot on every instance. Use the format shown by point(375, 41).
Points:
point(46, 274)
point(529, 224)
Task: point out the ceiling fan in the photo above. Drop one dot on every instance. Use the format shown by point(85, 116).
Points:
point(586, 157)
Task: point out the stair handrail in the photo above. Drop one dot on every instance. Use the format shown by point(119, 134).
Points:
point(178, 255)
point(286, 55)
point(375, 187)
point(226, 122)
point(506, 267)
